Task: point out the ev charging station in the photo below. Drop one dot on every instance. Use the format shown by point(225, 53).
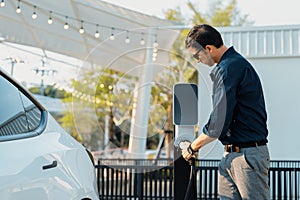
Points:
point(185, 117)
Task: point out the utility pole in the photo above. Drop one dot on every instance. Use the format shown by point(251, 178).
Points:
point(43, 71)
point(13, 61)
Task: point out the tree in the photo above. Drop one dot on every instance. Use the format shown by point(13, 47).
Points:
point(95, 98)
point(50, 91)
point(220, 13)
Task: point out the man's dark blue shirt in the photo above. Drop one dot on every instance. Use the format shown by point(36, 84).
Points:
point(239, 114)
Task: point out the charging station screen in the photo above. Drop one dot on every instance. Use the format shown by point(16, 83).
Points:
point(185, 104)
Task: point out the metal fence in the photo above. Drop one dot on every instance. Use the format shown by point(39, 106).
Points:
point(153, 179)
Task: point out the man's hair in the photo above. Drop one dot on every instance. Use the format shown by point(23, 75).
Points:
point(202, 35)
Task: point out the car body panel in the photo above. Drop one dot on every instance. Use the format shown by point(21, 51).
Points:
point(49, 164)
point(22, 174)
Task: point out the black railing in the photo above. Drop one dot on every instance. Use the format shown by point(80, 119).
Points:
point(285, 179)
point(153, 179)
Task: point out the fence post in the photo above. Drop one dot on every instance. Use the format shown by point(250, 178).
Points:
point(138, 182)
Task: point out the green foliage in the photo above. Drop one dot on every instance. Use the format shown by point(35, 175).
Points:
point(174, 15)
point(50, 91)
point(220, 13)
point(99, 94)
point(198, 18)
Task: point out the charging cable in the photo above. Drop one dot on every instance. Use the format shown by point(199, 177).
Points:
point(182, 143)
point(192, 175)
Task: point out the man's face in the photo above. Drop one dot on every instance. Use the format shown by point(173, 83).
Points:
point(203, 56)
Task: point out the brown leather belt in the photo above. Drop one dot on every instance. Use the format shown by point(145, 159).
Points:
point(236, 147)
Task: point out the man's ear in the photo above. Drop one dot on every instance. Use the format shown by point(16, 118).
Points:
point(209, 48)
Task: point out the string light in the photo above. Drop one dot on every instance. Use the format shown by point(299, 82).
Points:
point(155, 44)
point(2, 4)
point(50, 21)
point(112, 36)
point(66, 26)
point(18, 10)
point(154, 56)
point(34, 15)
point(127, 40)
point(142, 42)
point(81, 30)
point(97, 34)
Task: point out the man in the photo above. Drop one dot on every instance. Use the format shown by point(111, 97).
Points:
point(238, 118)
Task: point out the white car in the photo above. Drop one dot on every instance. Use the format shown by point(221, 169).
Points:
point(38, 159)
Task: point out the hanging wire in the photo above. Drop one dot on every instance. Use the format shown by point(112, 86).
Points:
point(50, 20)
point(127, 40)
point(18, 10)
point(81, 30)
point(66, 26)
point(97, 34)
point(112, 36)
point(142, 42)
point(54, 14)
point(155, 44)
point(34, 15)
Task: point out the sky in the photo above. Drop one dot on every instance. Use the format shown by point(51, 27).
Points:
point(263, 12)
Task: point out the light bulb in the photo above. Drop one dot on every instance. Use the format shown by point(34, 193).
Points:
point(112, 37)
point(66, 26)
point(97, 34)
point(18, 10)
point(2, 4)
point(81, 30)
point(50, 21)
point(127, 40)
point(142, 42)
point(34, 15)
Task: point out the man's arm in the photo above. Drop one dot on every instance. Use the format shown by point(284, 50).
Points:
point(198, 143)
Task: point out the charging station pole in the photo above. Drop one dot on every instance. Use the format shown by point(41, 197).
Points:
point(185, 117)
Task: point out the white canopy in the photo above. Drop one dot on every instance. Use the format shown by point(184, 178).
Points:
point(26, 22)
point(92, 15)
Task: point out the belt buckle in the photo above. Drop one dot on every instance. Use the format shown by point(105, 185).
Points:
point(228, 148)
point(232, 148)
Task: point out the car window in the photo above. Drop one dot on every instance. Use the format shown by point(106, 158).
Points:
point(18, 115)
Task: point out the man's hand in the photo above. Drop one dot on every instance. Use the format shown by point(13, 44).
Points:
point(187, 155)
point(200, 141)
